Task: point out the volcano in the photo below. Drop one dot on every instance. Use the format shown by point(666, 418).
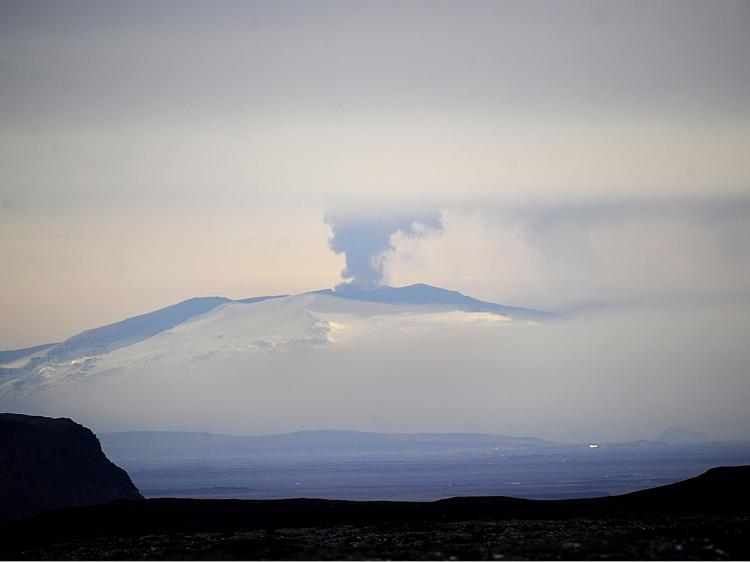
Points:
point(214, 347)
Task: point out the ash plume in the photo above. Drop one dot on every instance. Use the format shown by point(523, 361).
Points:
point(365, 239)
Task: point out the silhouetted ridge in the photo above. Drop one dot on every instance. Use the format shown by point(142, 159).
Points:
point(718, 492)
point(50, 463)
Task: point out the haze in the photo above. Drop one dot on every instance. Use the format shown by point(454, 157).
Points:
point(588, 158)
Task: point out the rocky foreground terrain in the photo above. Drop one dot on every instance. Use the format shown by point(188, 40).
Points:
point(62, 499)
point(704, 518)
point(689, 538)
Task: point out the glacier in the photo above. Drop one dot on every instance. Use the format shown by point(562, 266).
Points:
point(222, 339)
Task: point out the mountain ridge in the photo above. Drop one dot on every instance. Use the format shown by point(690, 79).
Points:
point(142, 326)
point(130, 446)
point(421, 293)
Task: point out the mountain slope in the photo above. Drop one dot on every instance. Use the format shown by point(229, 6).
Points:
point(107, 338)
point(213, 331)
point(98, 341)
point(235, 359)
point(423, 294)
point(13, 355)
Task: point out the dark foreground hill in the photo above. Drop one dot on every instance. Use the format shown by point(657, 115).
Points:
point(50, 463)
point(706, 517)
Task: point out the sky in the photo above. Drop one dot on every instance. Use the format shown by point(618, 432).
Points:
point(584, 157)
point(579, 155)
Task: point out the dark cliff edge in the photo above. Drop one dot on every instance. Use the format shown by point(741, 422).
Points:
point(48, 463)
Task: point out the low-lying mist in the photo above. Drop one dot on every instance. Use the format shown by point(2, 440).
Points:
point(613, 374)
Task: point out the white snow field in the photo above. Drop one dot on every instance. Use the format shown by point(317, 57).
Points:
point(242, 362)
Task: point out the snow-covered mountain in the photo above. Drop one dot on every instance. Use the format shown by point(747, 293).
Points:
point(223, 339)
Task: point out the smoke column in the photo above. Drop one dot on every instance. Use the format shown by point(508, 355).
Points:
point(364, 240)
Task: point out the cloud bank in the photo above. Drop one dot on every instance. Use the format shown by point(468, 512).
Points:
point(570, 256)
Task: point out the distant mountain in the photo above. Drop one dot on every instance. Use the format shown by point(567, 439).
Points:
point(679, 434)
point(99, 341)
point(151, 446)
point(50, 463)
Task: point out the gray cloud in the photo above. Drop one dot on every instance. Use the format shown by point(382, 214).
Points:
point(364, 240)
point(89, 62)
point(569, 256)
